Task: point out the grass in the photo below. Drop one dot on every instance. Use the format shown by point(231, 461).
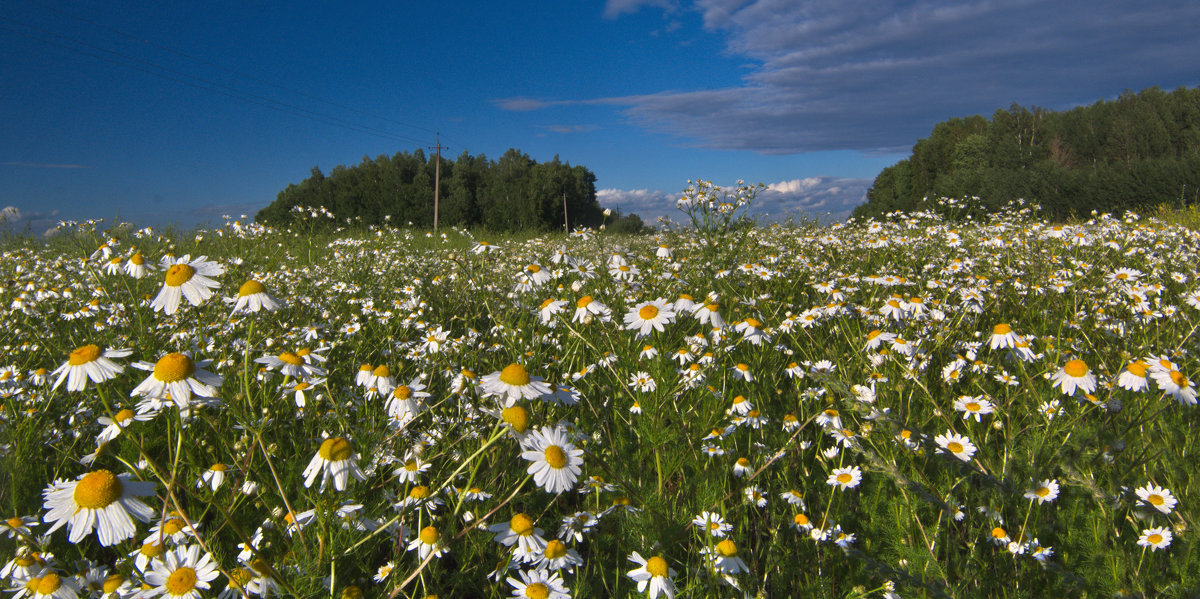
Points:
point(819, 400)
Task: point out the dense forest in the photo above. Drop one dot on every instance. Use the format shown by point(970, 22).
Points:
point(1133, 153)
point(509, 194)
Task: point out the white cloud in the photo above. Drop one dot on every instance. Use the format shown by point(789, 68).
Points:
point(810, 197)
point(10, 214)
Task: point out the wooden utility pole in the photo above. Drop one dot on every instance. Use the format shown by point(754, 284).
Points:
point(437, 177)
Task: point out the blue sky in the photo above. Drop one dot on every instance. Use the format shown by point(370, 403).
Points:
point(180, 112)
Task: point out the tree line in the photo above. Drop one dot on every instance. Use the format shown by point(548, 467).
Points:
point(514, 193)
point(1133, 153)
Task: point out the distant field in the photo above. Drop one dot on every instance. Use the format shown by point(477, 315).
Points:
point(909, 407)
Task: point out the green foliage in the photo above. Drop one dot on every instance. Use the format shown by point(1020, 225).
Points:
point(514, 193)
point(1134, 153)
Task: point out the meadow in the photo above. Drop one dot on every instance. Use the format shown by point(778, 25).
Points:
point(919, 406)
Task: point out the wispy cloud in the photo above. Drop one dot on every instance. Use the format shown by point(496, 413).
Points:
point(43, 165)
point(811, 197)
point(875, 76)
point(570, 128)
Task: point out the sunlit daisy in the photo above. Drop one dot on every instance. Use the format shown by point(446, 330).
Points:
point(1043, 492)
point(1157, 497)
point(555, 461)
point(647, 316)
point(1003, 337)
point(973, 407)
point(1133, 377)
point(513, 383)
point(182, 572)
point(712, 523)
point(845, 478)
point(1155, 538)
point(178, 375)
point(539, 584)
point(89, 362)
point(520, 532)
point(335, 460)
point(653, 576)
point(557, 556)
point(252, 296)
point(187, 278)
point(724, 558)
point(290, 364)
point(100, 500)
point(428, 542)
point(956, 445)
point(136, 266)
point(1175, 384)
point(1075, 374)
point(48, 584)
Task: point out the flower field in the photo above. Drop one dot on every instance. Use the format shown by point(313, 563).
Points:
point(903, 408)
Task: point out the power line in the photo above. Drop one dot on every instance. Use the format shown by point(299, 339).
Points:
point(164, 72)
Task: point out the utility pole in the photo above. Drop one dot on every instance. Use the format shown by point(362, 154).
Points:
point(566, 227)
point(437, 176)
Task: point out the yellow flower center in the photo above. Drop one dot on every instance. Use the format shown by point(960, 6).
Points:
point(173, 526)
point(172, 368)
point(521, 524)
point(800, 520)
point(1178, 378)
point(1001, 329)
point(402, 392)
point(83, 355)
point(537, 590)
point(583, 301)
point(382, 371)
point(726, 548)
point(419, 492)
point(998, 533)
point(555, 549)
point(15, 523)
point(515, 375)
point(97, 490)
point(288, 357)
point(874, 334)
point(844, 478)
point(1154, 539)
point(742, 366)
point(302, 386)
point(533, 268)
point(429, 535)
point(657, 566)
point(137, 259)
point(1155, 500)
point(516, 417)
point(556, 457)
point(972, 406)
point(218, 467)
point(1043, 491)
point(112, 583)
point(743, 462)
point(179, 274)
point(364, 368)
point(648, 312)
point(151, 550)
point(50, 583)
point(182, 581)
point(1076, 368)
point(251, 287)
point(240, 577)
point(754, 323)
point(954, 447)
point(335, 449)
point(1137, 368)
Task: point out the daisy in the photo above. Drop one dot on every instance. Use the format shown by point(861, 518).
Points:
point(291, 365)
point(1173, 383)
point(189, 279)
point(119, 422)
point(412, 469)
point(713, 523)
point(99, 500)
point(1075, 374)
point(555, 461)
point(1133, 377)
point(845, 478)
point(802, 523)
point(1155, 538)
point(49, 585)
point(136, 266)
point(877, 337)
point(652, 576)
point(521, 532)
point(1045, 491)
point(587, 308)
point(89, 362)
point(252, 296)
point(214, 477)
point(955, 445)
point(428, 542)
point(557, 556)
point(549, 309)
point(724, 558)
point(1003, 337)
point(17, 526)
point(178, 375)
point(181, 573)
point(649, 315)
point(539, 584)
point(336, 460)
point(741, 369)
point(513, 384)
point(405, 400)
point(1157, 497)
point(975, 407)
point(709, 313)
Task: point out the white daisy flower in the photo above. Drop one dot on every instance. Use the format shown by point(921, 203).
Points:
point(1075, 374)
point(647, 316)
point(186, 278)
point(178, 375)
point(513, 384)
point(845, 478)
point(99, 500)
point(1155, 538)
point(539, 584)
point(1043, 492)
point(89, 362)
point(1157, 497)
point(555, 461)
point(181, 573)
point(653, 576)
point(956, 445)
point(335, 460)
point(252, 296)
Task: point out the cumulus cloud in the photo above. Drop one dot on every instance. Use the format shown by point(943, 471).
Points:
point(821, 198)
point(13, 218)
point(875, 76)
